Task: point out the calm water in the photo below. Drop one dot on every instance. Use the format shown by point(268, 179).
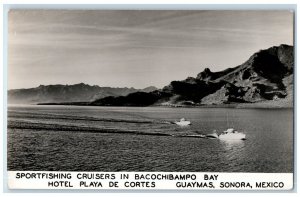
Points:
point(70, 138)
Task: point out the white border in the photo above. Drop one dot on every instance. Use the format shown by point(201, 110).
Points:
point(215, 2)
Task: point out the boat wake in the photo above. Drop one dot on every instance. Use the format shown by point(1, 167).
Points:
point(71, 128)
point(46, 116)
point(36, 121)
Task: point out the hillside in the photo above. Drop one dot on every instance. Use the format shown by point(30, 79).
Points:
point(265, 78)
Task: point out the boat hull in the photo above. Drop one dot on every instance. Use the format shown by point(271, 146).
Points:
point(233, 136)
point(183, 123)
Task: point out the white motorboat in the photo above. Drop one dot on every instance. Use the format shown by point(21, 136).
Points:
point(183, 122)
point(231, 134)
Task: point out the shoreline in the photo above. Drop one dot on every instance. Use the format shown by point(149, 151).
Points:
point(231, 105)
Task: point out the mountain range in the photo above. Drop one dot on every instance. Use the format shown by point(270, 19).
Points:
point(266, 78)
point(68, 93)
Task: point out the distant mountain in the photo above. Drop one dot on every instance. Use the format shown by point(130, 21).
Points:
point(266, 77)
point(67, 93)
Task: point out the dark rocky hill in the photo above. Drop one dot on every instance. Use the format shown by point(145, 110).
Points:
point(266, 77)
point(134, 99)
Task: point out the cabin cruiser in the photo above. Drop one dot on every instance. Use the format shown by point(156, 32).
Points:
point(231, 134)
point(183, 122)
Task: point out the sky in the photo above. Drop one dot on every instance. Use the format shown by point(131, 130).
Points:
point(134, 48)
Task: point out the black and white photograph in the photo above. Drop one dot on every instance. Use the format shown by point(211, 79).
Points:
point(150, 90)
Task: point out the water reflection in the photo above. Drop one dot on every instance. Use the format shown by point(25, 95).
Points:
point(233, 145)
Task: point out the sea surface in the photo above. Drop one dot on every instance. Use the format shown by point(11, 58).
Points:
point(75, 138)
